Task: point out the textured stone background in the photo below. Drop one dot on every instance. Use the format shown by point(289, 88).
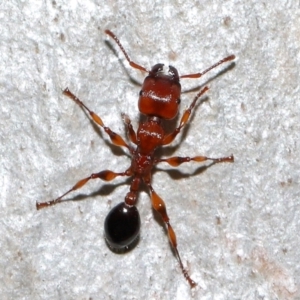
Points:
point(237, 224)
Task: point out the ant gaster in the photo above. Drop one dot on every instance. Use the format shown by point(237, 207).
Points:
point(159, 100)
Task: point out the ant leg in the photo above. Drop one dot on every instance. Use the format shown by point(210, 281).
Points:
point(175, 161)
point(184, 119)
point(131, 132)
point(115, 138)
point(159, 205)
point(106, 175)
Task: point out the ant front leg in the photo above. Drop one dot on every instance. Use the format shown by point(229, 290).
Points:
point(159, 205)
point(115, 138)
point(184, 119)
point(131, 132)
point(105, 175)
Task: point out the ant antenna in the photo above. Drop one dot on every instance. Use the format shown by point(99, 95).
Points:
point(132, 63)
point(197, 75)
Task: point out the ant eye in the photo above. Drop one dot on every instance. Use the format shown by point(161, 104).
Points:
point(173, 71)
point(178, 101)
point(141, 92)
point(158, 68)
point(122, 226)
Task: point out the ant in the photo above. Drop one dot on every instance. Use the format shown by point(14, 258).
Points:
point(159, 100)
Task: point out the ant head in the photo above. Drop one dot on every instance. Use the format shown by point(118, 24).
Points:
point(160, 94)
point(160, 70)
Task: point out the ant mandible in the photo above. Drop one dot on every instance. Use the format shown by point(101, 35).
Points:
point(159, 100)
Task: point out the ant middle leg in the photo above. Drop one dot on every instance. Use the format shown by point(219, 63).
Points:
point(159, 205)
point(115, 138)
point(105, 175)
point(184, 119)
point(175, 161)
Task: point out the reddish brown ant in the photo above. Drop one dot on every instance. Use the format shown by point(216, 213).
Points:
point(159, 100)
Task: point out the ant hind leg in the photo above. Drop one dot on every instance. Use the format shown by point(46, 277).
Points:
point(159, 205)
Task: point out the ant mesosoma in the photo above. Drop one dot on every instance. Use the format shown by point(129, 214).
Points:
point(159, 100)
